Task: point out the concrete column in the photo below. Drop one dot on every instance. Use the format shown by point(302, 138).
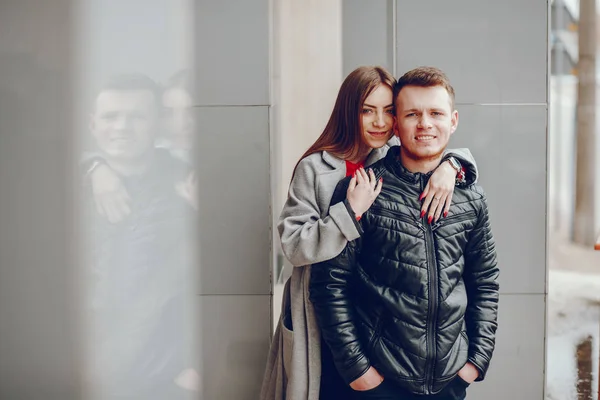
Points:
point(307, 72)
point(306, 75)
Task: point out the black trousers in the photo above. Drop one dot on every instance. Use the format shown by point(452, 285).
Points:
point(387, 390)
point(333, 386)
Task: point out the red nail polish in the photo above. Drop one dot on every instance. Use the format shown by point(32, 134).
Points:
point(421, 198)
point(445, 214)
point(381, 180)
point(422, 214)
point(429, 219)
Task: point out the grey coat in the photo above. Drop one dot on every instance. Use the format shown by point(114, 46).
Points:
point(311, 232)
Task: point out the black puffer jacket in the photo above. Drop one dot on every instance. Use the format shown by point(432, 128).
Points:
point(414, 300)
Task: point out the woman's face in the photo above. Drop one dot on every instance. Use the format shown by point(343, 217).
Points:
point(179, 119)
point(377, 117)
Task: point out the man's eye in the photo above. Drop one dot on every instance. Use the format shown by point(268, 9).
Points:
point(411, 114)
point(436, 113)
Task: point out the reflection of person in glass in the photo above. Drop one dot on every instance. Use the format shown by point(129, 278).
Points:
point(178, 118)
point(140, 264)
point(176, 136)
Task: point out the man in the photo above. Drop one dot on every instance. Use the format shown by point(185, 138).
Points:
point(139, 336)
point(409, 309)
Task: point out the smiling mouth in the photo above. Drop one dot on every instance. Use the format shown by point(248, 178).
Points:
point(379, 134)
point(424, 138)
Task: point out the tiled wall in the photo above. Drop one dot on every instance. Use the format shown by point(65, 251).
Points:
point(232, 88)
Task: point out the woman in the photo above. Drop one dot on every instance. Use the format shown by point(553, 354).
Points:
point(179, 120)
point(359, 132)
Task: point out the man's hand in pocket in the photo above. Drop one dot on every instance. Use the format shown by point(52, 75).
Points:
point(369, 380)
point(468, 373)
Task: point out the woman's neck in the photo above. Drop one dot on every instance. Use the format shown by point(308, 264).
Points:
point(361, 157)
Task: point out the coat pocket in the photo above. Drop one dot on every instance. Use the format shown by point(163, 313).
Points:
point(462, 382)
point(288, 345)
point(287, 331)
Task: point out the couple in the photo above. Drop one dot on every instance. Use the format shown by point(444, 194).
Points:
point(170, 130)
point(395, 292)
point(139, 231)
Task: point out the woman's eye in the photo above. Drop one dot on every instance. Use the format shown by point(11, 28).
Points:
point(367, 111)
point(390, 111)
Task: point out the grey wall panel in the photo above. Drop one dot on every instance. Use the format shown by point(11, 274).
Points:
point(38, 307)
point(133, 36)
point(39, 328)
point(516, 371)
point(234, 198)
point(509, 144)
point(493, 51)
point(232, 52)
point(234, 343)
point(367, 34)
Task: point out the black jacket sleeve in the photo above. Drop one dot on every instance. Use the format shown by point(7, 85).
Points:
point(481, 280)
point(330, 292)
point(467, 161)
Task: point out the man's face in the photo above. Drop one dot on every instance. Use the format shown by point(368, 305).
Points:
point(124, 123)
point(424, 121)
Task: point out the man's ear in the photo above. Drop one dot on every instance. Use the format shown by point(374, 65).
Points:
point(395, 127)
point(454, 121)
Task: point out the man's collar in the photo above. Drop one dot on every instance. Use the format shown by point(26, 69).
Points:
point(146, 166)
point(393, 161)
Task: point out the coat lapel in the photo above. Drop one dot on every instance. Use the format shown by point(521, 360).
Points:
point(333, 161)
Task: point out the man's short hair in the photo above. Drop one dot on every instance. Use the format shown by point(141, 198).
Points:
point(425, 77)
point(132, 82)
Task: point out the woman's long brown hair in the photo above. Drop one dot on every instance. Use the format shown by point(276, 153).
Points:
point(342, 135)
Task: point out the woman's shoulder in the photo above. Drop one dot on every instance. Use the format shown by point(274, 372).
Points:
point(313, 158)
point(319, 162)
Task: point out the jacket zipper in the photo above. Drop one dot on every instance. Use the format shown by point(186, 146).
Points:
point(394, 214)
point(453, 219)
point(432, 275)
point(433, 299)
point(396, 190)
